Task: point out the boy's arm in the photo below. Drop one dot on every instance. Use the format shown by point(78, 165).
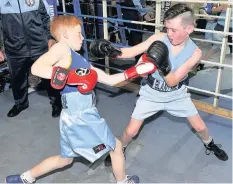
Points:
point(173, 78)
point(107, 79)
point(143, 68)
point(140, 48)
point(103, 48)
point(43, 66)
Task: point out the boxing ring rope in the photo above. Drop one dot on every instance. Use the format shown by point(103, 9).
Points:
point(146, 9)
point(196, 39)
point(144, 31)
point(151, 24)
point(158, 25)
point(210, 16)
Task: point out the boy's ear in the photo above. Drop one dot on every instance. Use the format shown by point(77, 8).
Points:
point(65, 34)
point(190, 29)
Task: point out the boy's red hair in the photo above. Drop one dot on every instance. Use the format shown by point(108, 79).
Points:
point(62, 22)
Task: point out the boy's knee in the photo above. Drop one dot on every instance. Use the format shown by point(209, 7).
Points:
point(118, 147)
point(200, 128)
point(64, 162)
point(131, 132)
point(118, 143)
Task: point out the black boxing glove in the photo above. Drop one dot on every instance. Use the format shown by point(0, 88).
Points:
point(103, 48)
point(159, 54)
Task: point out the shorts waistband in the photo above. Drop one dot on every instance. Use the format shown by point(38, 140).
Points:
point(162, 86)
point(76, 101)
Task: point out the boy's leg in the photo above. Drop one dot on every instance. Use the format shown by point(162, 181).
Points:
point(184, 107)
point(118, 165)
point(131, 131)
point(144, 108)
point(47, 165)
point(50, 164)
point(198, 124)
point(200, 127)
point(118, 162)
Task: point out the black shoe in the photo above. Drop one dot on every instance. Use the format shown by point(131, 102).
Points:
point(216, 149)
point(108, 161)
point(56, 111)
point(16, 109)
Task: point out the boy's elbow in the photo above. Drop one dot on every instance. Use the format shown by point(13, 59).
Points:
point(108, 83)
point(111, 84)
point(172, 83)
point(33, 70)
point(171, 80)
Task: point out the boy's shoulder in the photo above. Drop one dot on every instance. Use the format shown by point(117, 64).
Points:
point(60, 48)
point(156, 37)
point(194, 47)
point(160, 36)
point(193, 43)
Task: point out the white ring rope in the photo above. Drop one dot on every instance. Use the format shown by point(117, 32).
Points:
point(210, 92)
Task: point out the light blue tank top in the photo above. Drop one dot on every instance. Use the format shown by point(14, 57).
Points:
point(169, 94)
point(179, 59)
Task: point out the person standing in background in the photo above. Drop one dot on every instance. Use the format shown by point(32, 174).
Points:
point(26, 33)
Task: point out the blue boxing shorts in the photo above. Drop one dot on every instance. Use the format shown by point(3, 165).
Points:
point(177, 103)
point(82, 131)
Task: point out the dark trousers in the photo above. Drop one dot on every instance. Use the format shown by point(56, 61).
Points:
point(19, 69)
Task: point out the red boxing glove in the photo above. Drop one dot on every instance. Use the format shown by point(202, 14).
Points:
point(146, 59)
point(85, 78)
point(143, 68)
point(59, 77)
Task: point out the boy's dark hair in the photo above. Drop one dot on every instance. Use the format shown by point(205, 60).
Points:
point(182, 10)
